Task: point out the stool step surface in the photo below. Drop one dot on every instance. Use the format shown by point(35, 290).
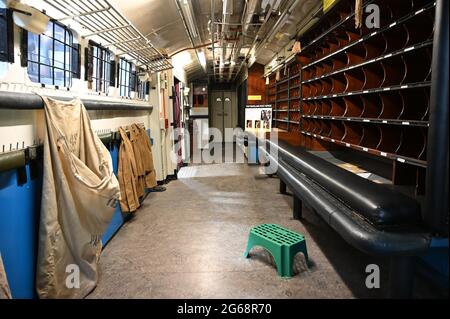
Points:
point(278, 234)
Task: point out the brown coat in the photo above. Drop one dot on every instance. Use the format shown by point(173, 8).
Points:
point(136, 169)
point(128, 175)
point(146, 156)
point(139, 157)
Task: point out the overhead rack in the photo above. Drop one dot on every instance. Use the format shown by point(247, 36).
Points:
point(101, 19)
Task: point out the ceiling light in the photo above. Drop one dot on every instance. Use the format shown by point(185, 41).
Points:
point(202, 59)
point(297, 48)
point(227, 7)
point(251, 61)
point(187, 11)
point(245, 51)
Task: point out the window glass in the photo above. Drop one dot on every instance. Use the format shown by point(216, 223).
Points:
point(3, 69)
point(142, 87)
point(50, 56)
point(125, 72)
point(102, 60)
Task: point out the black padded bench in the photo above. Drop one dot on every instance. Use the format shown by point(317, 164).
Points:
point(373, 218)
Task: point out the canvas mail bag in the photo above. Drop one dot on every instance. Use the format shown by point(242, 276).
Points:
point(5, 292)
point(79, 195)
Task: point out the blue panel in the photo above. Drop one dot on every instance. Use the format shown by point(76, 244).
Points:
point(117, 220)
point(437, 259)
point(19, 223)
point(253, 157)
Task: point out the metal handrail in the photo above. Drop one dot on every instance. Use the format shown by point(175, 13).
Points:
point(102, 19)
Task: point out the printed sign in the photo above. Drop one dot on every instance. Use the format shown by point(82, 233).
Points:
point(254, 97)
point(258, 118)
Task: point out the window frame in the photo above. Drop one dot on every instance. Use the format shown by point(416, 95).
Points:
point(141, 89)
point(6, 36)
point(70, 47)
point(125, 78)
point(102, 62)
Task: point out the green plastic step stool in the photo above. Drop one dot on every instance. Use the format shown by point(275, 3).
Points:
point(282, 243)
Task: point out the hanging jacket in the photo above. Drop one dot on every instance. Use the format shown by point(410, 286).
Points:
point(136, 141)
point(128, 175)
point(79, 196)
point(145, 151)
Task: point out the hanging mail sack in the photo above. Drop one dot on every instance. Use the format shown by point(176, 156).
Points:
point(5, 292)
point(80, 192)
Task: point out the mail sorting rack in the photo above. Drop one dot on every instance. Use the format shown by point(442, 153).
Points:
point(367, 90)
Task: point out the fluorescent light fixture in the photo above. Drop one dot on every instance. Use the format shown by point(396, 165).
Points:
point(227, 7)
point(251, 61)
point(202, 58)
point(297, 47)
point(245, 51)
point(187, 10)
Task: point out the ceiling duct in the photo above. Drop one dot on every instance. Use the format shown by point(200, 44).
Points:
point(227, 11)
point(248, 16)
point(277, 27)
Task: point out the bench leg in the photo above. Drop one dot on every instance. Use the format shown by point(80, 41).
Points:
point(401, 277)
point(283, 188)
point(298, 209)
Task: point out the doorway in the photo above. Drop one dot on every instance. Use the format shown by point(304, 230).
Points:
point(224, 111)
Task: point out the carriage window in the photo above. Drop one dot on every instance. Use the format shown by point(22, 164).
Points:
point(50, 56)
point(101, 71)
point(126, 79)
point(141, 87)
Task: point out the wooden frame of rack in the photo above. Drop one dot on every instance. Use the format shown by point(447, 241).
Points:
point(362, 89)
point(285, 95)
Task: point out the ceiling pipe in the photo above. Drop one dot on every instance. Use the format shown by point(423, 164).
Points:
point(227, 11)
point(192, 48)
point(213, 40)
point(255, 41)
point(246, 21)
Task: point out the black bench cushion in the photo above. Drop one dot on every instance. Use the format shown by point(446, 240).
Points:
point(380, 205)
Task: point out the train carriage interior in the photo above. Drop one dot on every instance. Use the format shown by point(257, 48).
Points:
point(224, 150)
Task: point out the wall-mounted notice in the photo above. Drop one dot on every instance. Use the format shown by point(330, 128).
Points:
point(255, 98)
point(258, 118)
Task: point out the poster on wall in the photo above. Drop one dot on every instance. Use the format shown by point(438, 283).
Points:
point(258, 118)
